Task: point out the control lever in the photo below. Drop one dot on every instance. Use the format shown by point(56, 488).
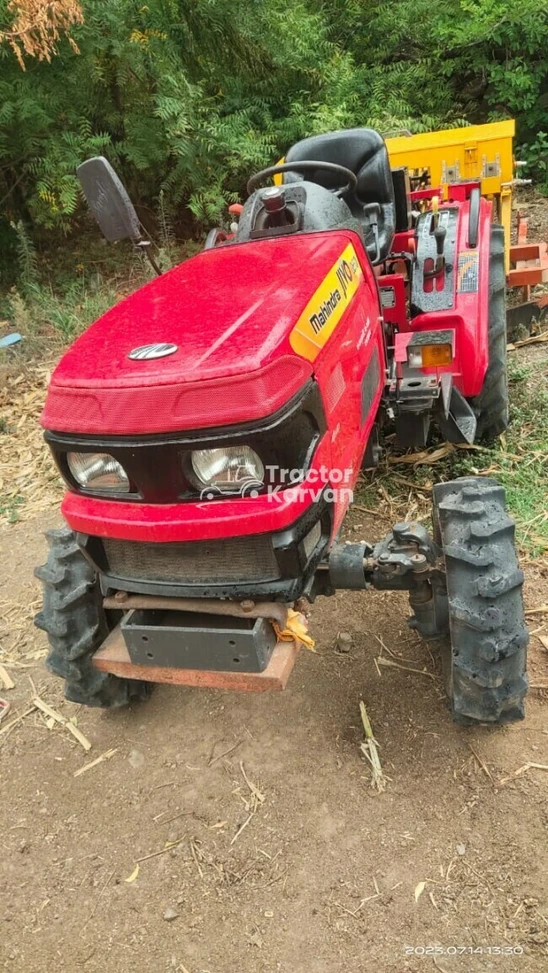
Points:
point(439, 235)
point(435, 213)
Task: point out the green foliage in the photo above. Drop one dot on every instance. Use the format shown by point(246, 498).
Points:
point(26, 257)
point(187, 97)
point(535, 155)
point(49, 319)
point(9, 507)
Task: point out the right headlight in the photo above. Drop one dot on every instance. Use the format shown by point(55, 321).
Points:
point(228, 468)
point(98, 472)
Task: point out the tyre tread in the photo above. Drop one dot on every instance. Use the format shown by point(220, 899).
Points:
point(489, 638)
point(75, 622)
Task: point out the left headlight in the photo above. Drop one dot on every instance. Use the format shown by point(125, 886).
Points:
point(98, 472)
point(227, 469)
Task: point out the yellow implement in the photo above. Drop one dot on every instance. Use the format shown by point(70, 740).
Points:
point(482, 152)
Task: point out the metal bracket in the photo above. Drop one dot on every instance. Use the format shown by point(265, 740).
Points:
point(458, 423)
point(403, 558)
point(450, 174)
point(407, 559)
point(490, 169)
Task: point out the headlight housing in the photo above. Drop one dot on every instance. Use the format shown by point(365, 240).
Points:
point(98, 472)
point(229, 469)
point(160, 468)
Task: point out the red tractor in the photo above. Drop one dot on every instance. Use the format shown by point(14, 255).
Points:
point(210, 429)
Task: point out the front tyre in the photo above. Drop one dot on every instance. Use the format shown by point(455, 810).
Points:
point(76, 624)
point(485, 662)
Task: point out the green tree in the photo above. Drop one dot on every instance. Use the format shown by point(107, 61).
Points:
point(187, 97)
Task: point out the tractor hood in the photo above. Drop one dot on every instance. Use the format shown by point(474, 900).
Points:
point(228, 311)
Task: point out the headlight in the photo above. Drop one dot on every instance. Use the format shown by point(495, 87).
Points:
point(228, 469)
point(99, 472)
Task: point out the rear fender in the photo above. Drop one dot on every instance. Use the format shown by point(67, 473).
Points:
point(470, 312)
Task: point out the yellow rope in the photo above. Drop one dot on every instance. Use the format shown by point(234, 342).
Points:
point(295, 630)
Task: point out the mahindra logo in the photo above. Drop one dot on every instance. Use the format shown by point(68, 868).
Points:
point(146, 352)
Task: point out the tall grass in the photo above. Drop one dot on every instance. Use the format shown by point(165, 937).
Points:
point(48, 319)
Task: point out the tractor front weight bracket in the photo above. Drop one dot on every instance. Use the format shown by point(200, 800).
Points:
point(407, 559)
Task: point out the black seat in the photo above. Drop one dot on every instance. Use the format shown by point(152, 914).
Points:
point(363, 151)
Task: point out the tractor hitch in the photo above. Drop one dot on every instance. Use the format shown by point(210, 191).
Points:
point(212, 643)
point(196, 640)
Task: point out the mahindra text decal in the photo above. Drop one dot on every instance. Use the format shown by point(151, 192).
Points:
point(327, 305)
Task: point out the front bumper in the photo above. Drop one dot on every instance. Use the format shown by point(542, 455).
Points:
point(278, 565)
point(189, 521)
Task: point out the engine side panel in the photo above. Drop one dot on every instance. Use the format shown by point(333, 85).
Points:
point(350, 366)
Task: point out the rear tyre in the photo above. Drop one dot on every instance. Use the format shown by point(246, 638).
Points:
point(491, 405)
point(76, 624)
point(485, 661)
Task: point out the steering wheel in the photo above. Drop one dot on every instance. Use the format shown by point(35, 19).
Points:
point(350, 185)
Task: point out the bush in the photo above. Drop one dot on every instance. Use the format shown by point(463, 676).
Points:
point(187, 97)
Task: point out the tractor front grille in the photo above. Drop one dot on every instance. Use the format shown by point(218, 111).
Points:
point(236, 559)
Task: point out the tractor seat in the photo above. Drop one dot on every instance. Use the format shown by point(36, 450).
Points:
point(363, 151)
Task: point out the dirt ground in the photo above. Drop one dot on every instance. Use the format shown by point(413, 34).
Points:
point(323, 876)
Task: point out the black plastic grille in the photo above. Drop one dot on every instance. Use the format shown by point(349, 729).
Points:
point(194, 562)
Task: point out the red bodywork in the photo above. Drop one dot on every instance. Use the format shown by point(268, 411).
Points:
point(470, 313)
point(231, 311)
